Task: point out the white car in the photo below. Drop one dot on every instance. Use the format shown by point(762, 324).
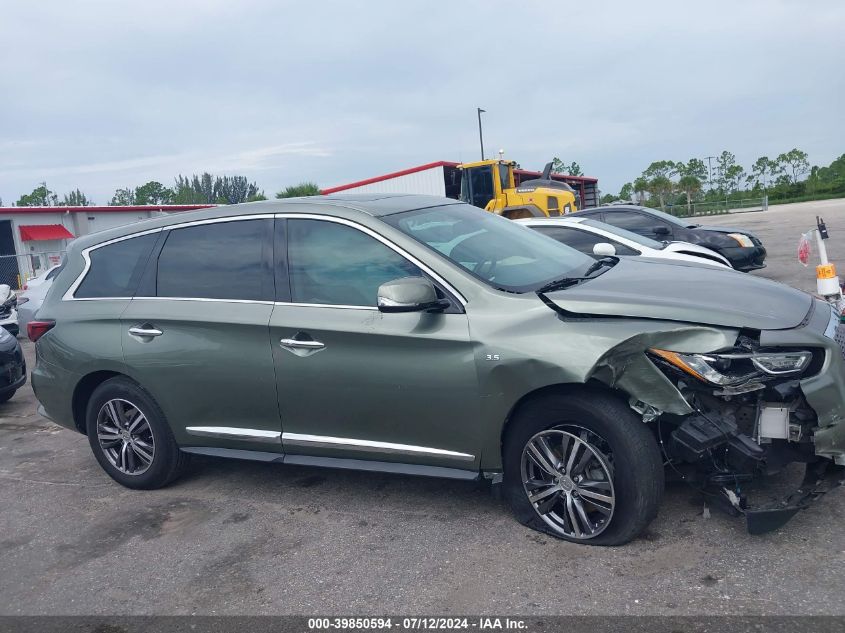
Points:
point(40, 278)
point(32, 296)
point(597, 238)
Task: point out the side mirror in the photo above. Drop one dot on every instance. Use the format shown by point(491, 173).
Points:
point(604, 249)
point(410, 294)
point(661, 230)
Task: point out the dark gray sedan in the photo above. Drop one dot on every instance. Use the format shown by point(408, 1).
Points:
point(740, 247)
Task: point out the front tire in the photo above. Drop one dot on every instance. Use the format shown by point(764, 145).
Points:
point(583, 468)
point(130, 436)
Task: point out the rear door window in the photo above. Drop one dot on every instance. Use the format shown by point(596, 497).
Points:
point(637, 222)
point(116, 268)
point(222, 260)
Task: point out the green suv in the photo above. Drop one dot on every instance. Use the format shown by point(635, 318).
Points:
point(414, 334)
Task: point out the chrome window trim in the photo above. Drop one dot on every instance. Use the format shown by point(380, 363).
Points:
point(256, 301)
point(69, 294)
point(326, 305)
point(234, 218)
point(229, 432)
point(326, 441)
point(368, 231)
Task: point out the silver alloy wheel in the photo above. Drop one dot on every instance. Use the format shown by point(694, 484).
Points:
point(568, 477)
point(125, 437)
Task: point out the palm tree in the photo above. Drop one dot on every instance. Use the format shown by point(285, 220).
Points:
point(640, 187)
point(690, 185)
point(660, 186)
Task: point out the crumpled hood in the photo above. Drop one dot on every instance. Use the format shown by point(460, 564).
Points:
point(694, 294)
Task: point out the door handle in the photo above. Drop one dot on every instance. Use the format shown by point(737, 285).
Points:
point(145, 330)
point(297, 344)
point(302, 347)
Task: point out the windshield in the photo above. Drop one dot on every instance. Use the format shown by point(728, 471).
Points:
point(500, 252)
point(628, 235)
point(477, 185)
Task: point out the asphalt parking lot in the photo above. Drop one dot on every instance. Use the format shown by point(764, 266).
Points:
point(247, 538)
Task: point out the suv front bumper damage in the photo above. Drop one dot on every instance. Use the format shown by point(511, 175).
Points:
point(714, 438)
point(819, 479)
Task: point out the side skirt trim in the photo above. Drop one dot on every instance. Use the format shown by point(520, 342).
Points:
point(383, 467)
point(234, 453)
point(334, 462)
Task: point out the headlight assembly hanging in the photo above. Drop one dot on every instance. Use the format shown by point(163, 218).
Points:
point(730, 369)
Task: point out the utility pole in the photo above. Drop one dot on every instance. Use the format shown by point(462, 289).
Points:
point(480, 137)
point(710, 171)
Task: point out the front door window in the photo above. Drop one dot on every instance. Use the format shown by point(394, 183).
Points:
point(335, 264)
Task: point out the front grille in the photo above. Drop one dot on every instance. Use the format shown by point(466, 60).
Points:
point(840, 337)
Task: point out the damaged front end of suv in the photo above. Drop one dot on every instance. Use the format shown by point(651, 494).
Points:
point(736, 376)
point(773, 398)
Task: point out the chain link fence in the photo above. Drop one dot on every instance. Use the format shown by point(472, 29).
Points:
point(718, 208)
point(16, 270)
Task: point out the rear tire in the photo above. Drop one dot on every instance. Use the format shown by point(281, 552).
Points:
point(607, 492)
point(7, 396)
point(130, 436)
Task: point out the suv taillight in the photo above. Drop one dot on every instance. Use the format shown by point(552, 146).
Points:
point(36, 329)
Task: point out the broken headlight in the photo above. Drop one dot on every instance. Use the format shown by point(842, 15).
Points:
point(732, 369)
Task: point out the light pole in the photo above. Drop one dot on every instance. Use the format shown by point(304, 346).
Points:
point(480, 137)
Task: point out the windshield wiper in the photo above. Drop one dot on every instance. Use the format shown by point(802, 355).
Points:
point(599, 263)
point(559, 284)
point(565, 282)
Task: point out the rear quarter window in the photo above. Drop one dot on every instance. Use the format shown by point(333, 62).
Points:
point(116, 268)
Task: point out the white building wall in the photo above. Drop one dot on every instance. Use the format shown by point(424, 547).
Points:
point(430, 182)
point(34, 256)
point(103, 221)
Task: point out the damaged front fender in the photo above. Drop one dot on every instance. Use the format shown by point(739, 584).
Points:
point(626, 367)
point(546, 349)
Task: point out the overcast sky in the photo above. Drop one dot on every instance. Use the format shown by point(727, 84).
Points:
point(106, 94)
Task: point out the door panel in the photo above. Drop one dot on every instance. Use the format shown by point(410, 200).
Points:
point(197, 335)
point(379, 379)
point(354, 382)
point(210, 367)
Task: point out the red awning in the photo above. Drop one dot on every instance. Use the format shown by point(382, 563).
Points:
point(37, 232)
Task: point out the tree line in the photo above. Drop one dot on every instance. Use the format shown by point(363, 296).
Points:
point(664, 183)
point(196, 189)
point(788, 176)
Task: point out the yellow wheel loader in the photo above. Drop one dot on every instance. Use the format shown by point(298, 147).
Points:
point(489, 184)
